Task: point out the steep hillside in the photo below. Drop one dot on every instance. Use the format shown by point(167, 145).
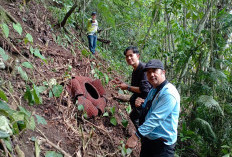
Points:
point(37, 62)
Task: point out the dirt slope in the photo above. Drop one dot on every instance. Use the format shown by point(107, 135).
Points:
point(66, 128)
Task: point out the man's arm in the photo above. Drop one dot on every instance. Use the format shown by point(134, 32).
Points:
point(144, 85)
point(124, 86)
point(163, 108)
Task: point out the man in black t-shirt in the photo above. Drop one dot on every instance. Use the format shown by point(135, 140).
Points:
point(139, 83)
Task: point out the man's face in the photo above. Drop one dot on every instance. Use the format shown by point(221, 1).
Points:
point(155, 76)
point(94, 17)
point(131, 58)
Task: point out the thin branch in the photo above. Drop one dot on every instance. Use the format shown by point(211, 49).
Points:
point(4, 147)
point(68, 14)
point(46, 140)
point(98, 128)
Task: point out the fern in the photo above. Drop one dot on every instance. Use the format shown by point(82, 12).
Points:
point(217, 75)
point(209, 103)
point(204, 129)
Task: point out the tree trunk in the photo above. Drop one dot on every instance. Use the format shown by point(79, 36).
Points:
point(201, 24)
point(83, 11)
point(184, 17)
point(199, 28)
point(69, 13)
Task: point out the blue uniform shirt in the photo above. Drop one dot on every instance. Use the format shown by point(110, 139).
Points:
point(161, 120)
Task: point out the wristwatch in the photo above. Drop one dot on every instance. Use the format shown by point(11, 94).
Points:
point(128, 87)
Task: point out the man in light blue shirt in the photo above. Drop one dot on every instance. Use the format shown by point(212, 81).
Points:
point(159, 119)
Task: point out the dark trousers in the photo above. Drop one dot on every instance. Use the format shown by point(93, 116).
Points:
point(156, 148)
point(92, 43)
point(135, 113)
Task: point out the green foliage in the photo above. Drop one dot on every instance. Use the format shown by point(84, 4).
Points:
point(85, 53)
point(3, 96)
point(18, 28)
point(100, 75)
point(210, 104)
point(125, 151)
point(205, 129)
point(8, 144)
point(125, 122)
point(106, 78)
point(33, 95)
point(80, 108)
point(28, 38)
point(53, 154)
point(5, 30)
point(112, 110)
point(37, 149)
point(227, 150)
point(113, 121)
point(3, 134)
point(40, 120)
point(27, 117)
point(19, 120)
point(22, 73)
point(106, 114)
point(3, 54)
point(106, 11)
point(57, 90)
point(27, 65)
point(37, 54)
point(128, 109)
point(196, 59)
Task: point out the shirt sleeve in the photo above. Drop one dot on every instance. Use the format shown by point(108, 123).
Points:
point(144, 86)
point(89, 25)
point(163, 108)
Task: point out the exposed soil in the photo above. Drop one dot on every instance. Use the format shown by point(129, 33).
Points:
point(65, 127)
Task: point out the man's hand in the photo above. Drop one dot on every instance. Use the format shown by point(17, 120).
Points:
point(123, 86)
point(138, 102)
point(132, 141)
point(117, 81)
point(120, 84)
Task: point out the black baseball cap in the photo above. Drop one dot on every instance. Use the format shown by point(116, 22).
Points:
point(154, 64)
point(93, 13)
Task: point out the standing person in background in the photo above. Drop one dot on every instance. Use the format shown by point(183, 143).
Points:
point(139, 83)
point(159, 118)
point(92, 28)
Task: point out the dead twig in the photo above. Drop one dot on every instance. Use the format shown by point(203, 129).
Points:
point(112, 154)
point(72, 128)
point(11, 95)
point(55, 146)
point(105, 131)
point(45, 139)
point(19, 151)
point(4, 147)
point(8, 15)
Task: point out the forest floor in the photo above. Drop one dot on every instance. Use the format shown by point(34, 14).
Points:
point(66, 128)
